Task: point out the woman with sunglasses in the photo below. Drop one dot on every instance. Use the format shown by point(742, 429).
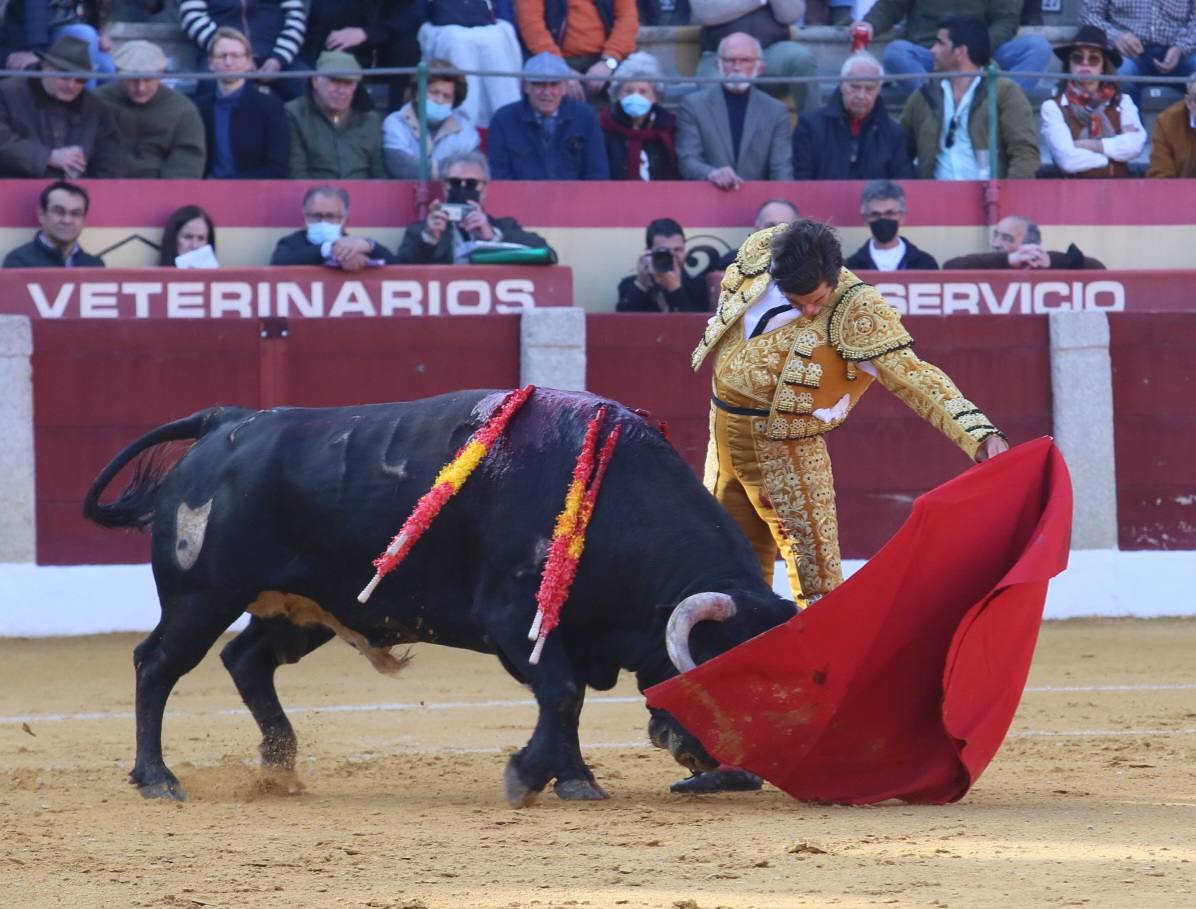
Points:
point(1091, 127)
point(450, 131)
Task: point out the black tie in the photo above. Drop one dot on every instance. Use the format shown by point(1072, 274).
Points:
point(763, 323)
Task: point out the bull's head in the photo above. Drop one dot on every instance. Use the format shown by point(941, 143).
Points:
point(664, 731)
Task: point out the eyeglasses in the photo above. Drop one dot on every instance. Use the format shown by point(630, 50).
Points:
point(328, 216)
point(950, 139)
point(241, 55)
point(464, 182)
point(1086, 57)
point(889, 214)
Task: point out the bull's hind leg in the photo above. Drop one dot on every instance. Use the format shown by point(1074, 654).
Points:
point(251, 658)
point(190, 625)
point(554, 751)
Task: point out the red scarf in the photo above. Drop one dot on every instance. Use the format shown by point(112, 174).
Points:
point(1090, 109)
point(636, 138)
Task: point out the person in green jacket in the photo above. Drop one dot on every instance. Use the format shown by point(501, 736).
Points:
point(160, 129)
point(912, 53)
point(330, 138)
point(946, 120)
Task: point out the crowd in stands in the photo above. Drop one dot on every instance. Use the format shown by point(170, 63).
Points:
point(588, 105)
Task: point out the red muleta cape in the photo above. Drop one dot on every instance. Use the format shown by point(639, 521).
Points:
point(902, 682)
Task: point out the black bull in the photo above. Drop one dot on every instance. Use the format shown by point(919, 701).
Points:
point(281, 512)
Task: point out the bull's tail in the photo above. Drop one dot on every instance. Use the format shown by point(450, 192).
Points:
point(135, 507)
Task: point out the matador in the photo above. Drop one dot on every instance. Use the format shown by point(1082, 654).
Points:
point(796, 341)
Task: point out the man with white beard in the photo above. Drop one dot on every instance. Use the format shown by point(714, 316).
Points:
point(733, 132)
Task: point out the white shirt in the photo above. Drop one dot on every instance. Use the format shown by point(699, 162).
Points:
point(959, 161)
point(771, 298)
point(887, 259)
point(1124, 147)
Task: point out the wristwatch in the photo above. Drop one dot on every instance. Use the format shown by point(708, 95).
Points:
point(611, 63)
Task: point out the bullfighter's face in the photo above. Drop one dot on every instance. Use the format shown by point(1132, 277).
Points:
point(811, 304)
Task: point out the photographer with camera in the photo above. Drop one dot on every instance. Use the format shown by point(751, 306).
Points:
point(453, 227)
point(660, 282)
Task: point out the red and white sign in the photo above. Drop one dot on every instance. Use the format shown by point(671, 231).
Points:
point(982, 293)
point(288, 293)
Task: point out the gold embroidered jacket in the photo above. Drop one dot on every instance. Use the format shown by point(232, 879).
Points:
point(819, 381)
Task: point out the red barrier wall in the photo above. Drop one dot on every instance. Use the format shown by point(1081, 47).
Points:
point(99, 385)
point(884, 455)
point(1154, 430)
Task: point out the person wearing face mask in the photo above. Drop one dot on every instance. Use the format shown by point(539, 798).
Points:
point(1091, 127)
point(640, 134)
point(449, 129)
point(453, 227)
point(732, 132)
point(882, 206)
point(324, 240)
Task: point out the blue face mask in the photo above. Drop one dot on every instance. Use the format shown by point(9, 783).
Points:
point(635, 105)
point(436, 112)
point(322, 232)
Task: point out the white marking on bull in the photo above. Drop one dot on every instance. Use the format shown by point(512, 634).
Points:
point(190, 525)
point(301, 611)
point(398, 471)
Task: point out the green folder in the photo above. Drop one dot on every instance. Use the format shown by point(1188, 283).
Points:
point(527, 255)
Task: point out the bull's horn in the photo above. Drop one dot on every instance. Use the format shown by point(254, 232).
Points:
point(717, 607)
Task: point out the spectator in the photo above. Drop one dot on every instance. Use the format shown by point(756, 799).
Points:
point(245, 126)
point(923, 20)
point(546, 136)
point(449, 128)
point(592, 35)
point(330, 138)
point(853, 137)
point(770, 214)
point(1156, 38)
point(660, 282)
point(53, 126)
point(640, 134)
point(324, 240)
point(452, 227)
point(947, 127)
point(275, 29)
point(767, 22)
point(188, 239)
point(62, 213)
point(1090, 126)
point(882, 205)
point(33, 25)
point(161, 130)
point(376, 32)
point(1017, 243)
point(1173, 145)
point(733, 132)
point(465, 34)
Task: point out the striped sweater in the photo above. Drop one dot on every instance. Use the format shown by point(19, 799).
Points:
point(275, 28)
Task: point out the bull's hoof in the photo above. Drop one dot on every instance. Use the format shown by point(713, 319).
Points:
point(519, 793)
point(580, 791)
point(164, 789)
point(281, 779)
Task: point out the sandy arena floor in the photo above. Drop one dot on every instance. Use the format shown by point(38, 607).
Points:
point(1091, 802)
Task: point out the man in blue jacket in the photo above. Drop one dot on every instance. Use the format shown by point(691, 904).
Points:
point(853, 137)
point(546, 136)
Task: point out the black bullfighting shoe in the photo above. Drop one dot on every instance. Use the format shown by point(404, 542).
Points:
point(718, 781)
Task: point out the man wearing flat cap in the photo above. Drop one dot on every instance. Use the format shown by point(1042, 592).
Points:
point(52, 126)
point(331, 137)
point(546, 136)
point(161, 130)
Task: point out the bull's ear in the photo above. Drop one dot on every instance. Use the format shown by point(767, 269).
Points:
point(700, 607)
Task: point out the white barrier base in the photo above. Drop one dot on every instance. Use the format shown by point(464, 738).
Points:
point(38, 601)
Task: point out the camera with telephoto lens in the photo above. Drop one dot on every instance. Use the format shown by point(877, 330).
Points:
point(454, 211)
point(662, 260)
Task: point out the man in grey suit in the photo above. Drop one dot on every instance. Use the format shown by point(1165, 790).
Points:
point(733, 132)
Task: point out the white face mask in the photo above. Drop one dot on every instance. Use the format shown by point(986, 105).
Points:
point(322, 232)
